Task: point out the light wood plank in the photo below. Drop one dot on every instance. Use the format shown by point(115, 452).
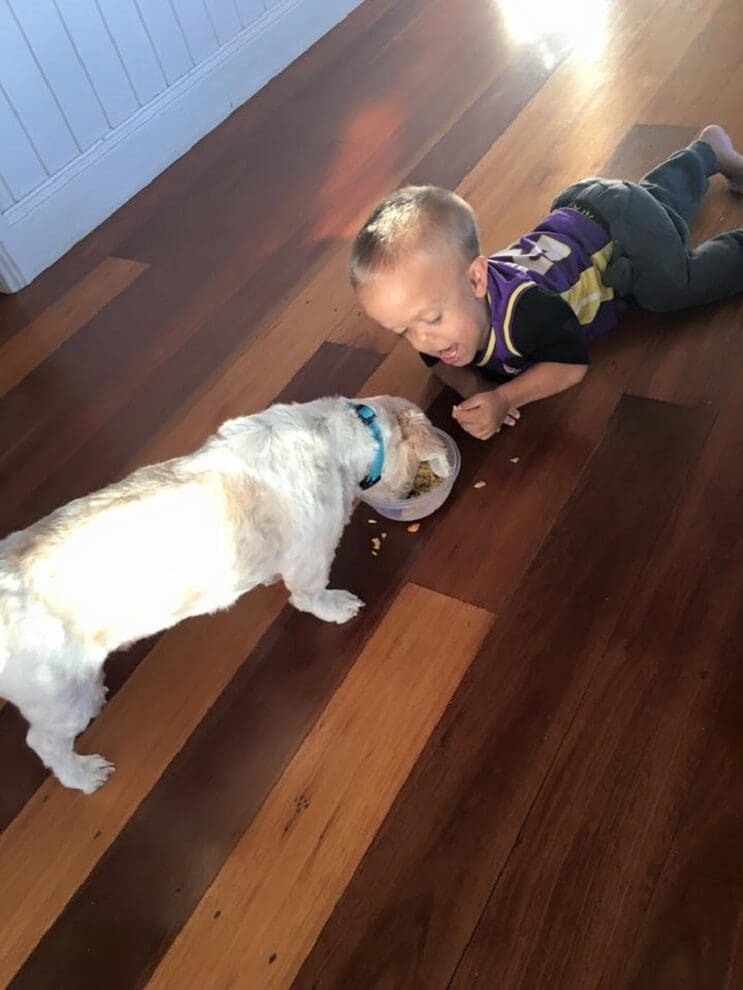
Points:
point(256, 924)
point(41, 338)
point(571, 129)
point(141, 730)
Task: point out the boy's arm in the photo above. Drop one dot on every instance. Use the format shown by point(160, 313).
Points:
point(470, 383)
point(483, 414)
point(542, 380)
point(545, 331)
point(464, 381)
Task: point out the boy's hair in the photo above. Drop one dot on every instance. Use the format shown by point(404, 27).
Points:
point(407, 218)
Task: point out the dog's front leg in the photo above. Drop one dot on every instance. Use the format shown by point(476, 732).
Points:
point(56, 716)
point(307, 582)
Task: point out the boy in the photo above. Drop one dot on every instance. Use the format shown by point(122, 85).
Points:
point(513, 328)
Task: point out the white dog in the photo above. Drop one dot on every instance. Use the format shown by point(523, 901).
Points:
point(266, 497)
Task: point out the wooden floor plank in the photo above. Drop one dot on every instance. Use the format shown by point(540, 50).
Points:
point(644, 146)
point(407, 916)
point(33, 345)
point(603, 823)
point(690, 935)
point(324, 811)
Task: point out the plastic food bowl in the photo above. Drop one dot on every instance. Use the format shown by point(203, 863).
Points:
point(418, 507)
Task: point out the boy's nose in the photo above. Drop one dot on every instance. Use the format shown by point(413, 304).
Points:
point(424, 341)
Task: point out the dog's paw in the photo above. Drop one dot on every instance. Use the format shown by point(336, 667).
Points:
point(88, 773)
point(339, 606)
point(333, 606)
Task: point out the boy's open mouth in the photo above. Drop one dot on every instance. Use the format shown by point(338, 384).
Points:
point(450, 355)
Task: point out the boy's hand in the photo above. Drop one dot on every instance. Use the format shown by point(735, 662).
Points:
point(483, 414)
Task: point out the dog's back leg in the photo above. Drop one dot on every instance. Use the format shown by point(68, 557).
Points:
point(56, 716)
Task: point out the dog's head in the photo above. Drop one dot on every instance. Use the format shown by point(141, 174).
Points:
point(409, 439)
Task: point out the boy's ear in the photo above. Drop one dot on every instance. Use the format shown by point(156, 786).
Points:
point(478, 276)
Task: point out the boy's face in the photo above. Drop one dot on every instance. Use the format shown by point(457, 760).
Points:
point(435, 301)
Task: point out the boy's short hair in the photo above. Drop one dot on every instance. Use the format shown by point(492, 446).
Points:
point(406, 219)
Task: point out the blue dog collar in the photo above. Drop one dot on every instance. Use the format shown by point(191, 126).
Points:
point(367, 416)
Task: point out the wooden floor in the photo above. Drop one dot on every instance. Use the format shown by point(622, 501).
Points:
point(521, 767)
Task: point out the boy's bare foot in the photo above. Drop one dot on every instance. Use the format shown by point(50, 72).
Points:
point(731, 161)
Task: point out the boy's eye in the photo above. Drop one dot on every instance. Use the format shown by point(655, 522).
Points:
point(434, 320)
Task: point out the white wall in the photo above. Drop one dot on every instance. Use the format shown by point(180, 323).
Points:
point(99, 96)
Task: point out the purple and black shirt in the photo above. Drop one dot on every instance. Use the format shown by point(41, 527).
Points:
point(546, 297)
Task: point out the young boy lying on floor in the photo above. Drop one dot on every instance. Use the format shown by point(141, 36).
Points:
point(510, 329)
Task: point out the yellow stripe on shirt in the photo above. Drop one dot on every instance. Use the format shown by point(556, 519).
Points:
point(589, 292)
point(509, 315)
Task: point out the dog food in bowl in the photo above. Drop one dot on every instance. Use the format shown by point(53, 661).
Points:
point(425, 481)
point(429, 491)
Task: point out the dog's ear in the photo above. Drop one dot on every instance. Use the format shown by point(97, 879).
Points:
point(424, 442)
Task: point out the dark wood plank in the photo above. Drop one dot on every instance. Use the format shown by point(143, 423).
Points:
point(408, 914)
point(690, 935)
point(604, 821)
point(333, 370)
point(644, 146)
point(695, 357)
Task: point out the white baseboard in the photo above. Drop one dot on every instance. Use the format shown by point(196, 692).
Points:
point(37, 231)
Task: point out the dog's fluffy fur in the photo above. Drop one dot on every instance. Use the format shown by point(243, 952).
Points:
point(266, 497)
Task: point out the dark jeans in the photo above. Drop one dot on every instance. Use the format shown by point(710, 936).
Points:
point(649, 222)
